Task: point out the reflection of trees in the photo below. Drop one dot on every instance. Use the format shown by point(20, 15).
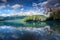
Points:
point(54, 25)
point(54, 14)
point(35, 24)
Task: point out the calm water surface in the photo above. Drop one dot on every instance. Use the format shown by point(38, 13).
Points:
point(30, 31)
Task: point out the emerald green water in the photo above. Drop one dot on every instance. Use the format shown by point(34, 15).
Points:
point(52, 24)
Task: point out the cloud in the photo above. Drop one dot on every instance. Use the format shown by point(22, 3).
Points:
point(17, 6)
point(22, 9)
point(8, 5)
point(4, 0)
point(4, 15)
point(1, 1)
point(35, 4)
point(57, 5)
point(44, 3)
point(3, 6)
point(50, 3)
point(37, 8)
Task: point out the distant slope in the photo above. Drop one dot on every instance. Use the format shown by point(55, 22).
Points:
point(13, 17)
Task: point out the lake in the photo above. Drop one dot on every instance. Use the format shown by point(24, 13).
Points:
point(49, 30)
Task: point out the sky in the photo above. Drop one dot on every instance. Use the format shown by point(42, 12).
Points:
point(28, 7)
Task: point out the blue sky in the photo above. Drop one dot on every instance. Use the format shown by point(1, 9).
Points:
point(8, 7)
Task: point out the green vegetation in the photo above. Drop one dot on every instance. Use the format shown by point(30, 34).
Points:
point(54, 15)
point(35, 18)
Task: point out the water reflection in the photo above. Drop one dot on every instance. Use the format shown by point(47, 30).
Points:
point(36, 24)
point(25, 24)
point(12, 33)
point(30, 31)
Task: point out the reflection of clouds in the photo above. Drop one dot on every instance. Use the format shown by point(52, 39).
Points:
point(24, 28)
point(9, 29)
point(15, 36)
point(47, 27)
point(7, 32)
point(6, 27)
point(2, 36)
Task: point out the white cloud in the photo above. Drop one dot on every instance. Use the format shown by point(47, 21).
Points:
point(50, 3)
point(3, 6)
point(39, 4)
point(38, 9)
point(3, 15)
point(17, 6)
point(35, 4)
point(4, 0)
point(22, 9)
point(8, 5)
point(44, 3)
point(59, 7)
point(30, 12)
